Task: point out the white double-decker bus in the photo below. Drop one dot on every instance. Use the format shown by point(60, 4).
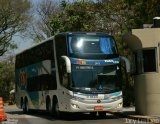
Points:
point(70, 72)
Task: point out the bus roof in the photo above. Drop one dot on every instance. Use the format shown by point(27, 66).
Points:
point(64, 33)
point(50, 38)
point(80, 33)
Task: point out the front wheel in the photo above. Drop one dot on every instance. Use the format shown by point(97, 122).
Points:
point(102, 114)
point(93, 114)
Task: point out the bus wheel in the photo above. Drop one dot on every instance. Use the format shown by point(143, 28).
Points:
point(48, 106)
point(93, 114)
point(25, 106)
point(21, 103)
point(56, 111)
point(102, 114)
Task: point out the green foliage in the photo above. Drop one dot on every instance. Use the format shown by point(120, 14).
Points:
point(6, 78)
point(127, 79)
point(142, 12)
point(71, 20)
point(107, 17)
point(63, 4)
point(14, 17)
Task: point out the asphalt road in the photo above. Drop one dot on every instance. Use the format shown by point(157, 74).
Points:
point(16, 115)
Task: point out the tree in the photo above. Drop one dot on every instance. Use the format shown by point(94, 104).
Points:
point(143, 11)
point(14, 17)
point(107, 17)
point(41, 29)
point(7, 77)
point(71, 20)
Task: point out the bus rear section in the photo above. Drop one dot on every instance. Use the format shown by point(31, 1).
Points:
point(35, 75)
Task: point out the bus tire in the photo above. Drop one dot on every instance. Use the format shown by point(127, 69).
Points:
point(102, 114)
point(48, 105)
point(21, 103)
point(93, 114)
point(25, 106)
point(56, 111)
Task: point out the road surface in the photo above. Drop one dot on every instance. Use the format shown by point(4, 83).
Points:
point(16, 116)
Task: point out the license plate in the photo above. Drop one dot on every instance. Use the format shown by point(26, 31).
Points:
point(98, 108)
point(100, 96)
point(92, 97)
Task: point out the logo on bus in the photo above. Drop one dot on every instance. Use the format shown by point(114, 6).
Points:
point(23, 78)
point(111, 61)
point(98, 101)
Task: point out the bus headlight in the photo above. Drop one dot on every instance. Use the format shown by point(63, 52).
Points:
point(117, 98)
point(75, 106)
point(120, 105)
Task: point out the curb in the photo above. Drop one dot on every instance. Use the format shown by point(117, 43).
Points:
point(10, 121)
point(137, 119)
point(146, 119)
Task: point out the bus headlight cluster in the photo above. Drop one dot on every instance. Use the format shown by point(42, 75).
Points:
point(117, 98)
point(120, 105)
point(75, 106)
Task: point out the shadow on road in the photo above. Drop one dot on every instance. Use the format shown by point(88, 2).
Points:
point(66, 116)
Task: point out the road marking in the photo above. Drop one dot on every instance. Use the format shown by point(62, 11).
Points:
point(151, 119)
point(10, 121)
point(15, 116)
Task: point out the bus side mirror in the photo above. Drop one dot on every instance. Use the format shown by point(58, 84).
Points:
point(68, 63)
point(127, 63)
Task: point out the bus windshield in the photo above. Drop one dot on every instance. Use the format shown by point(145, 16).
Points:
point(91, 45)
point(103, 79)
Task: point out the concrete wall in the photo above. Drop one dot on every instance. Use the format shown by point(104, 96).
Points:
point(150, 37)
point(147, 85)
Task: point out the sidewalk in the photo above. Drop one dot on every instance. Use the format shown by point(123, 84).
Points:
point(125, 113)
point(131, 116)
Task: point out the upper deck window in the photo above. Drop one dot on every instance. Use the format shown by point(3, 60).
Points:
point(102, 45)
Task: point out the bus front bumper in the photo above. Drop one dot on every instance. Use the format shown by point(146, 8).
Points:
point(77, 106)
